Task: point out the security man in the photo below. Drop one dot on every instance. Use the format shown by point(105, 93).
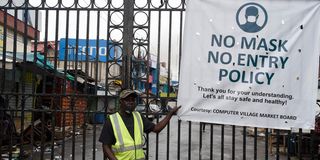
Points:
point(122, 134)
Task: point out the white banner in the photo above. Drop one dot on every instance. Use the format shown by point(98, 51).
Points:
point(250, 63)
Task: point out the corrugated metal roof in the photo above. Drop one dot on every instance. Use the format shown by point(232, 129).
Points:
point(34, 59)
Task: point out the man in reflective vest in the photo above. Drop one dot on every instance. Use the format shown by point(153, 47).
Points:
point(122, 134)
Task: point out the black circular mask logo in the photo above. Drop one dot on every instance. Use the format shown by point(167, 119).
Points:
point(252, 17)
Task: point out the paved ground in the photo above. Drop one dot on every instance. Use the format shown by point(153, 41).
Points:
point(204, 152)
point(163, 149)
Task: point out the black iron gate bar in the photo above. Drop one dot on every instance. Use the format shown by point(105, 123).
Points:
point(125, 76)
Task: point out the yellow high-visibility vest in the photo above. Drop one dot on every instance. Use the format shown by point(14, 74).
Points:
point(127, 148)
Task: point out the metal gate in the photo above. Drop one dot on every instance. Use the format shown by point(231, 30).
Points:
point(64, 62)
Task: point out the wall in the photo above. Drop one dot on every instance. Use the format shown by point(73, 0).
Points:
point(20, 42)
point(80, 104)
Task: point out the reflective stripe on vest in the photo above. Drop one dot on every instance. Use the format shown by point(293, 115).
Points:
point(117, 126)
point(129, 148)
point(139, 123)
point(122, 147)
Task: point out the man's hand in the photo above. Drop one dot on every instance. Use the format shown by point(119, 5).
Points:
point(108, 152)
point(159, 126)
point(174, 110)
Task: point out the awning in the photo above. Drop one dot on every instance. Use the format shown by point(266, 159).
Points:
point(34, 64)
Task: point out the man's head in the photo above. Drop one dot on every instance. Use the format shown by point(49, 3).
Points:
point(252, 14)
point(128, 100)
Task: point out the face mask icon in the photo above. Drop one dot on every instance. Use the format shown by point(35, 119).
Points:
point(248, 17)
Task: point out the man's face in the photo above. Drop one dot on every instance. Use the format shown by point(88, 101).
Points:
point(129, 104)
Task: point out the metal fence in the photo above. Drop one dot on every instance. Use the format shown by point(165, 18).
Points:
point(64, 62)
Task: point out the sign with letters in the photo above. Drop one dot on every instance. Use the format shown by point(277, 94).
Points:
point(250, 63)
point(84, 49)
